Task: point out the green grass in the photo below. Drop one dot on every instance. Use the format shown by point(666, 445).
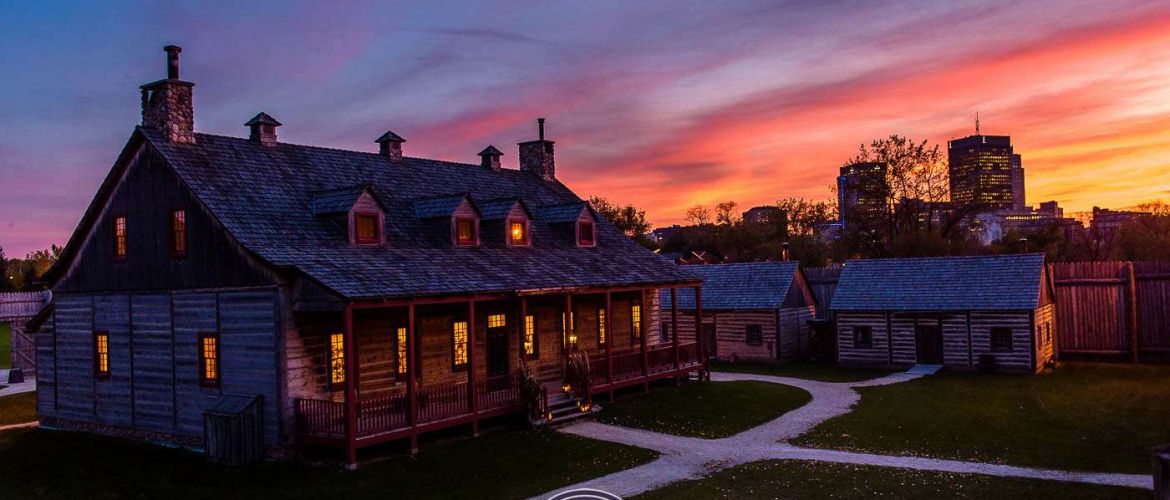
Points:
point(1087, 416)
point(501, 464)
point(18, 408)
point(705, 410)
point(5, 345)
point(783, 479)
point(825, 372)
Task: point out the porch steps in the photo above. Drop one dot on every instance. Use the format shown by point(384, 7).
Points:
point(563, 408)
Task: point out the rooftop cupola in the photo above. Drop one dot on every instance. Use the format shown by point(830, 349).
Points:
point(263, 129)
point(489, 158)
point(167, 105)
point(537, 156)
point(390, 146)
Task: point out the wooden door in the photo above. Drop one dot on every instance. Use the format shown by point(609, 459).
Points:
point(497, 351)
point(928, 339)
point(709, 344)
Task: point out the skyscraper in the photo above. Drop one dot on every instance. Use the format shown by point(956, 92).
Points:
point(1017, 183)
point(981, 172)
point(862, 191)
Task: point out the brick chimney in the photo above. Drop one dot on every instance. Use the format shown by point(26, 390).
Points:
point(537, 156)
point(489, 158)
point(167, 104)
point(390, 146)
point(263, 129)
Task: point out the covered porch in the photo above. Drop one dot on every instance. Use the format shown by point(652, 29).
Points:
point(384, 370)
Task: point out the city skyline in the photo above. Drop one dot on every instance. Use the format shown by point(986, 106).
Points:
point(749, 104)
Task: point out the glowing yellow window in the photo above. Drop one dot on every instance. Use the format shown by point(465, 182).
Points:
point(337, 358)
point(601, 326)
point(518, 233)
point(459, 344)
point(530, 335)
point(497, 321)
point(101, 358)
point(209, 359)
point(403, 363)
point(636, 321)
point(120, 237)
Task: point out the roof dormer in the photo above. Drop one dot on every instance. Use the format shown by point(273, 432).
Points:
point(462, 215)
point(577, 219)
point(507, 221)
point(358, 208)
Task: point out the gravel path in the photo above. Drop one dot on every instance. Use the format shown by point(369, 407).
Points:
point(684, 458)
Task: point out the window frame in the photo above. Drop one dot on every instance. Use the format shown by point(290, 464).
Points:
point(474, 240)
point(862, 337)
point(602, 333)
point(204, 381)
point(535, 354)
point(99, 355)
point(401, 353)
point(456, 366)
point(592, 241)
point(121, 241)
point(331, 358)
point(176, 251)
point(635, 323)
point(527, 242)
point(357, 236)
point(996, 343)
point(758, 337)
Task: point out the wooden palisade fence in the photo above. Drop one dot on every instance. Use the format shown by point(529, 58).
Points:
point(823, 282)
point(16, 309)
point(1113, 309)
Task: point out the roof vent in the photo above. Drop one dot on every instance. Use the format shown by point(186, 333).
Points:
point(489, 158)
point(390, 146)
point(263, 129)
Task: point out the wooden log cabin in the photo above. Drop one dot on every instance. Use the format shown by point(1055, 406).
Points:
point(360, 297)
point(980, 312)
point(752, 311)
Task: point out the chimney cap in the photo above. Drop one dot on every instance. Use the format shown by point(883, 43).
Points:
point(172, 48)
point(389, 137)
point(490, 151)
point(263, 118)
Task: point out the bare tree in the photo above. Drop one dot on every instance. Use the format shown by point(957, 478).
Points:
point(698, 215)
point(726, 214)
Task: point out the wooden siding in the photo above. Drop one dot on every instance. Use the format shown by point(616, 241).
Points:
point(957, 352)
point(146, 195)
point(1102, 310)
point(1020, 357)
point(878, 354)
point(794, 332)
point(823, 282)
point(1046, 333)
point(153, 382)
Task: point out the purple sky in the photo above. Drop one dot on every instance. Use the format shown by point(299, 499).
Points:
point(650, 102)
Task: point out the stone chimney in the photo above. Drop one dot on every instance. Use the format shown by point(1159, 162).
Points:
point(263, 129)
point(489, 158)
point(390, 146)
point(537, 156)
point(167, 104)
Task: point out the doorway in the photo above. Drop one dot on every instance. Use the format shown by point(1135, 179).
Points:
point(497, 351)
point(709, 344)
point(928, 340)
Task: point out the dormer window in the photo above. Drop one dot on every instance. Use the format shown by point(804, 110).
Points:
point(466, 232)
point(586, 234)
point(518, 233)
point(367, 229)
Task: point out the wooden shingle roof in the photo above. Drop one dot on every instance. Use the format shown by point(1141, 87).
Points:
point(740, 286)
point(974, 283)
point(264, 197)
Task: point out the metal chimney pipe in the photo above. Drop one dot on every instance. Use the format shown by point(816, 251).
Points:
point(784, 251)
point(172, 61)
point(540, 126)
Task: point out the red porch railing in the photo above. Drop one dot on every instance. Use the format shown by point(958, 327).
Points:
point(441, 401)
point(377, 415)
point(660, 359)
point(688, 354)
point(499, 391)
point(320, 418)
point(627, 365)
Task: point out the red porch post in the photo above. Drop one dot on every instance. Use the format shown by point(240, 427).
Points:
point(700, 349)
point(471, 388)
point(645, 352)
point(350, 391)
point(609, 341)
point(674, 323)
point(411, 370)
point(524, 328)
point(568, 330)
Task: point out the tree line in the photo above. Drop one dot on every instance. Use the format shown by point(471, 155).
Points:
point(24, 275)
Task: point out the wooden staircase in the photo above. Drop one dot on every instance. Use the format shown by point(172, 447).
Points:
point(564, 407)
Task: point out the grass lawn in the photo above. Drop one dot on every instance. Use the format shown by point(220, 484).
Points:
point(825, 372)
point(502, 464)
point(705, 410)
point(783, 479)
point(18, 408)
point(1084, 416)
point(5, 345)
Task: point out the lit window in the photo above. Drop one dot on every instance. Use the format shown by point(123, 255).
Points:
point(101, 355)
point(336, 358)
point(366, 229)
point(209, 359)
point(465, 232)
point(601, 326)
point(403, 364)
point(530, 335)
point(518, 233)
point(459, 344)
point(497, 321)
point(585, 236)
point(120, 237)
point(179, 233)
point(635, 323)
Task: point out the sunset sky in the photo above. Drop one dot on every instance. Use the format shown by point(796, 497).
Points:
point(649, 103)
